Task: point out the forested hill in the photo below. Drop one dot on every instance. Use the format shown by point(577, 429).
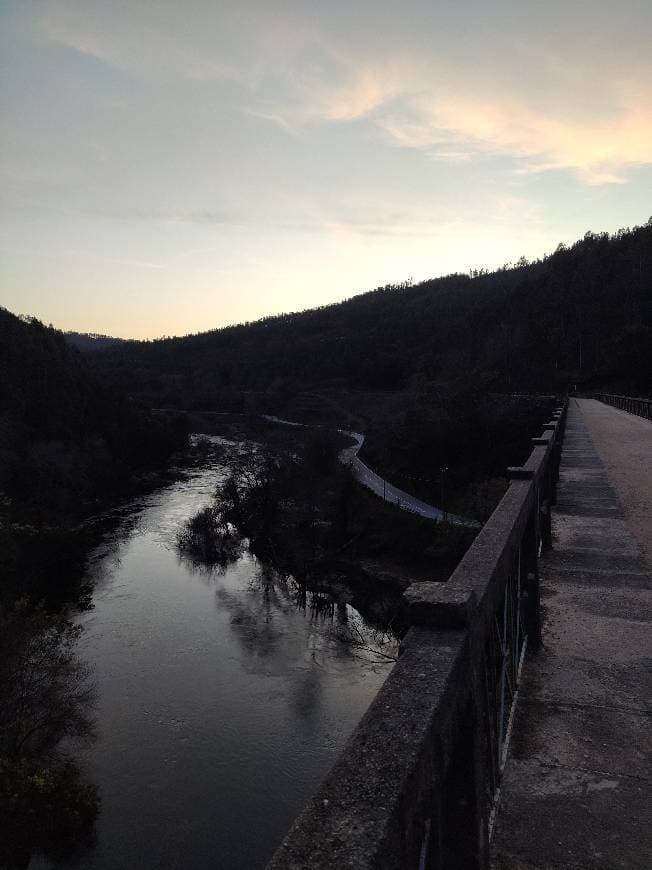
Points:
point(582, 315)
point(90, 341)
point(50, 395)
point(68, 444)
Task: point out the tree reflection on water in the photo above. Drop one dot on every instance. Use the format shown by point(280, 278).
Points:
point(271, 599)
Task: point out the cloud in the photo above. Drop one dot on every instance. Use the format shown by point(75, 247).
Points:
point(578, 101)
point(544, 117)
point(468, 125)
point(385, 214)
point(159, 42)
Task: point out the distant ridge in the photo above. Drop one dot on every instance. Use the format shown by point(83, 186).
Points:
point(581, 316)
point(90, 341)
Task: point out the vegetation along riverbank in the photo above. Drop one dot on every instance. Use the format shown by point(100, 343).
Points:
point(70, 447)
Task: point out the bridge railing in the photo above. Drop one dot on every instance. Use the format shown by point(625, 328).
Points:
point(417, 784)
point(640, 407)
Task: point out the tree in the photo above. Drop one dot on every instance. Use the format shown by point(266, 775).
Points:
point(46, 696)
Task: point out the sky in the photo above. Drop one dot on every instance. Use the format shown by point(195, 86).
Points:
point(169, 167)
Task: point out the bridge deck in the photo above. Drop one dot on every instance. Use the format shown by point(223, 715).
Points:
point(577, 790)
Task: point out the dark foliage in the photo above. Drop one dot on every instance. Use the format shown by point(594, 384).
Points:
point(207, 540)
point(46, 696)
point(68, 445)
point(49, 808)
point(46, 692)
point(90, 341)
point(580, 316)
point(305, 516)
point(450, 444)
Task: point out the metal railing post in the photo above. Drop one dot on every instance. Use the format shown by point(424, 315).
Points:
point(631, 404)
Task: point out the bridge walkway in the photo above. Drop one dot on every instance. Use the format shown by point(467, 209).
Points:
point(577, 790)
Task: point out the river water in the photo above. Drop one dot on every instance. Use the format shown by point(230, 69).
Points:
point(221, 703)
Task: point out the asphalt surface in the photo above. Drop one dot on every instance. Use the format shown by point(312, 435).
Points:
point(382, 488)
point(390, 493)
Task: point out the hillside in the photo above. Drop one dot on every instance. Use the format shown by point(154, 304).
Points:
point(68, 446)
point(580, 316)
point(90, 341)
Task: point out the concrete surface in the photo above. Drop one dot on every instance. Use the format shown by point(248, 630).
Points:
point(624, 444)
point(577, 790)
point(368, 813)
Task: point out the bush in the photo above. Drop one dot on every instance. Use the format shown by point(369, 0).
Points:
point(207, 539)
point(44, 806)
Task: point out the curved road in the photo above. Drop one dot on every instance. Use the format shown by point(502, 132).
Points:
point(380, 487)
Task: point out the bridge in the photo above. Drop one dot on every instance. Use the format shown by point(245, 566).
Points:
point(513, 734)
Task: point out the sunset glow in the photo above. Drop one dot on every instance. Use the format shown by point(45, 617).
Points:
point(168, 168)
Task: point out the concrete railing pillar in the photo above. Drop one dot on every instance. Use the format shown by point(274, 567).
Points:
point(465, 840)
point(529, 565)
point(457, 837)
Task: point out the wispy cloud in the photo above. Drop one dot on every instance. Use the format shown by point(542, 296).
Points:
point(598, 150)
point(172, 217)
point(579, 105)
point(460, 118)
point(383, 215)
point(146, 41)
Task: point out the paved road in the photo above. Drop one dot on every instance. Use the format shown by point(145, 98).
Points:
point(624, 444)
point(577, 791)
point(389, 492)
point(384, 489)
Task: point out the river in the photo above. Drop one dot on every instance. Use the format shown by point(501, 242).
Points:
point(221, 703)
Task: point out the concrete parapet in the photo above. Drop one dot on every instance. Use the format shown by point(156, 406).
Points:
point(375, 807)
point(440, 604)
point(520, 472)
point(414, 785)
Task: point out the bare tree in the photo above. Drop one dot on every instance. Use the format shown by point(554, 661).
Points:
point(46, 696)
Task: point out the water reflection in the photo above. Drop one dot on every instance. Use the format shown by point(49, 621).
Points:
point(264, 617)
point(224, 695)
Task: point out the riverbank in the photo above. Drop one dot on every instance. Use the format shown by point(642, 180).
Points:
point(223, 695)
point(303, 511)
